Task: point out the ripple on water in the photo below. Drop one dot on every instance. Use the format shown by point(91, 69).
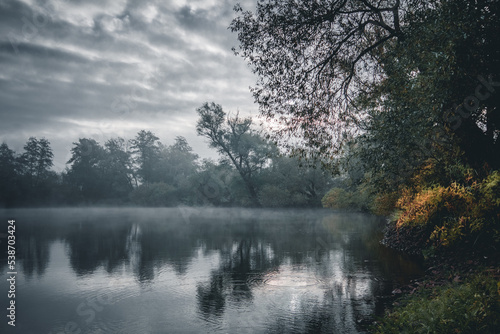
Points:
point(291, 280)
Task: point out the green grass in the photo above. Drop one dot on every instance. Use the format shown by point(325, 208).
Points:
point(470, 307)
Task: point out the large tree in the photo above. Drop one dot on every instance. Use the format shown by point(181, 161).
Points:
point(438, 103)
point(311, 58)
point(234, 138)
point(325, 68)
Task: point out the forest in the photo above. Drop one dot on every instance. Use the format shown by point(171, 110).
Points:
point(143, 171)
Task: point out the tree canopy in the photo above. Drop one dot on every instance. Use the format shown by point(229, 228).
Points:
point(325, 68)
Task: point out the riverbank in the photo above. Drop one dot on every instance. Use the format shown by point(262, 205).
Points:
point(460, 293)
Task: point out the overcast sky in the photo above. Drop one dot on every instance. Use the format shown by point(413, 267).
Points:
point(107, 68)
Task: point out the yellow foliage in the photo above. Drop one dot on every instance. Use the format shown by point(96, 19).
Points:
point(437, 202)
point(454, 213)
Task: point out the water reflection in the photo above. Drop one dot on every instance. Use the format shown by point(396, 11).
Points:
point(246, 271)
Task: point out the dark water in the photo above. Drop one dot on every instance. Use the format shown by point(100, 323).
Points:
point(197, 271)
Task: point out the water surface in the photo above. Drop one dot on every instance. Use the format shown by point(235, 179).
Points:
point(185, 270)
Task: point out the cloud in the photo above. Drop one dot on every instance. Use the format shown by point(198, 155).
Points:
point(72, 69)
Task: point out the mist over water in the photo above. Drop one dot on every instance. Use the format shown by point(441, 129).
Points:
point(200, 270)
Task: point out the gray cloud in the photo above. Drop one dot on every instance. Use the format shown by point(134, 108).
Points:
point(100, 69)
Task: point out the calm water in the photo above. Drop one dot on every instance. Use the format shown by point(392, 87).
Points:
point(186, 270)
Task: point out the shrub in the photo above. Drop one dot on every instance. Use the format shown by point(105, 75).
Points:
point(472, 307)
point(449, 216)
point(384, 204)
point(434, 204)
point(360, 199)
point(337, 198)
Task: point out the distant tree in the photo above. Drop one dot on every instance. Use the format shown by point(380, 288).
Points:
point(234, 138)
point(213, 183)
point(8, 177)
point(35, 176)
point(145, 148)
point(178, 162)
point(154, 194)
point(287, 183)
point(178, 166)
point(117, 169)
point(85, 172)
point(36, 160)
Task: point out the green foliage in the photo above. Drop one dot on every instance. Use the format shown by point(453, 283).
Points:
point(384, 204)
point(360, 199)
point(472, 307)
point(294, 184)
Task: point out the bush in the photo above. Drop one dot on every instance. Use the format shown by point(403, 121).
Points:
point(472, 307)
point(453, 215)
point(384, 204)
point(360, 199)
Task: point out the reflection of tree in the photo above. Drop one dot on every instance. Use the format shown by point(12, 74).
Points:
point(92, 245)
point(243, 264)
point(32, 247)
point(349, 269)
point(35, 255)
point(211, 296)
point(328, 313)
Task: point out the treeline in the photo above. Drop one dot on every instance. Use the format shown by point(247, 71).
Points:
point(145, 172)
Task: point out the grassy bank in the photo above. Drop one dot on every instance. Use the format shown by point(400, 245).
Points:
point(468, 306)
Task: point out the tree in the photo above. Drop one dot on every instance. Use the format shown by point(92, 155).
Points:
point(36, 160)
point(423, 112)
point(8, 177)
point(85, 172)
point(116, 166)
point(35, 176)
point(233, 137)
point(315, 60)
point(179, 168)
point(178, 163)
point(287, 183)
point(312, 58)
point(146, 148)
point(213, 183)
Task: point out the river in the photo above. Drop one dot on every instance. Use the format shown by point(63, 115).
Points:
point(197, 270)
